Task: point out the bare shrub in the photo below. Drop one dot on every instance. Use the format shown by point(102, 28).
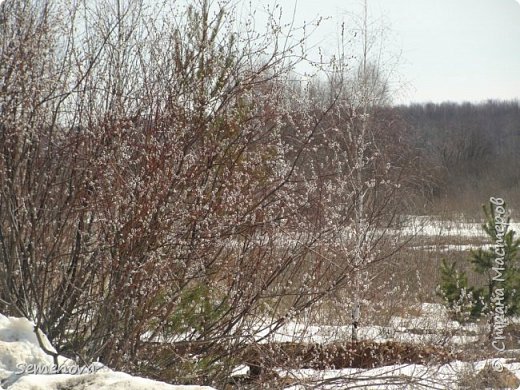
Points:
point(163, 187)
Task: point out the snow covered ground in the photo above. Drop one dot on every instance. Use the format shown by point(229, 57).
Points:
point(430, 226)
point(450, 248)
point(399, 377)
point(24, 366)
point(19, 350)
point(432, 326)
point(410, 226)
point(103, 380)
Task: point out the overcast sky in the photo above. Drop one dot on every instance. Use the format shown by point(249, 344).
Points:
point(438, 50)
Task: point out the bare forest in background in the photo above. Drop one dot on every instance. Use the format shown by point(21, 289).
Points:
point(473, 150)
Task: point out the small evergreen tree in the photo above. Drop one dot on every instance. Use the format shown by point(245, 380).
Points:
point(463, 301)
point(475, 301)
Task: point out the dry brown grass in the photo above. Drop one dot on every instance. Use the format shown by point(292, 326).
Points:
point(488, 378)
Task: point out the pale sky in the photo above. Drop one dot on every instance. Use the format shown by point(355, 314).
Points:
point(437, 50)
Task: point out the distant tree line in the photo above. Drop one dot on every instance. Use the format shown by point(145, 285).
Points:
point(471, 148)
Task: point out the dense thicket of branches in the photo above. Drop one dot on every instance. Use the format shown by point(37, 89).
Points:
point(161, 178)
point(473, 147)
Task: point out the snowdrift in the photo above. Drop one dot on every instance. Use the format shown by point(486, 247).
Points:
point(24, 366)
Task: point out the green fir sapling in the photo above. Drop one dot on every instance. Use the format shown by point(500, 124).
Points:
point(499, 265)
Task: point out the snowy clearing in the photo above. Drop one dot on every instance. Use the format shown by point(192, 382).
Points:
point(19, 351)
point(394, 377)
point(414, 225)
point(19, 348)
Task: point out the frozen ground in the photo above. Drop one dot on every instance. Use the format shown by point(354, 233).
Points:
point(396, 377)
point(449, 248)
point(19, 348)
point(414, 225)
point(19, 351)
point(431, 326)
